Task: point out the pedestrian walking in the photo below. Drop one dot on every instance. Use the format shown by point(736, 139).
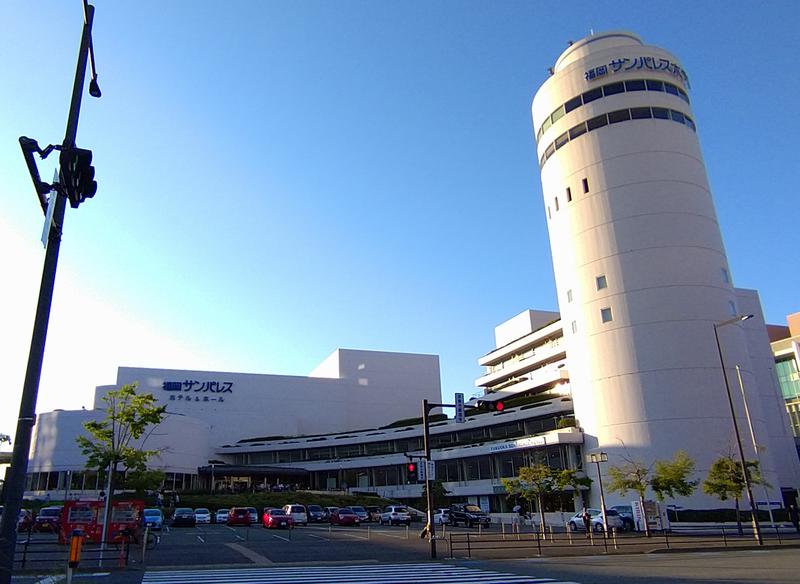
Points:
point(516, 519)
point(587, 521)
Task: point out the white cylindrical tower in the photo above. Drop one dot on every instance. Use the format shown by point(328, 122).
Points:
point(640, 267)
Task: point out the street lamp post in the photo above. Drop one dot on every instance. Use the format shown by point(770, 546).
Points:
point(597, 458)
point(745, 473)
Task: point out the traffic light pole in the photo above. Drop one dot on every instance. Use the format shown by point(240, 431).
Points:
point(426, 438)
point(15, 486)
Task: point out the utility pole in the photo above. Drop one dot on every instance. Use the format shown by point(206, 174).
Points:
point(426, 442)
point(15, 486)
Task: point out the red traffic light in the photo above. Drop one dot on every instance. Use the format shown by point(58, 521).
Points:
point(499, 406)
point(412, 467)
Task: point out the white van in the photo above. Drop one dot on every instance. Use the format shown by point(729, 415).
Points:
point(297, 512)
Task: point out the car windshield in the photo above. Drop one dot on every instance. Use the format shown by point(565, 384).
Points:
point(358, 509)
point(274, 512)
point(400, 510)
point(316, 508)
point(240, 512)
point(50, 512)
point(345, 512)
point(611, 513)
point(472, 508)
point(183, 510)
point(220, 511)
point(152, 513)
point(202, 511)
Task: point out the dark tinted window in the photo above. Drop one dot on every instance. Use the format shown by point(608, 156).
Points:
point(661, 113)
point(613, 88)
point(592, 95)
point(654, 85)
point(561, 140)
point(619, 116)
point(684, 95)
point(677, 116)
point(635, 85)
point(558, 114)
point(597, 122)
point(671, 88)
point(550, 149)
point(577, 131)
point(572, 104)
point(690, 123)
point(640, 113)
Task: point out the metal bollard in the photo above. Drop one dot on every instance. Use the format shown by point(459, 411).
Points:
point(550, 527)
point(614, 536)
point(144, 542)
point(407, 526)
point(503, 529)
point(480, 529)
point(569, 533)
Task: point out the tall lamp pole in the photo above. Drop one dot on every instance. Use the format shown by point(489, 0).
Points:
point(15, 486)
point(597, 458)
point(745, 473)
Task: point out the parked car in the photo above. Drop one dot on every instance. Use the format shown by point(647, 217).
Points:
point(626, 514)
point(345, 516)
point(395, 515)
point(316, 514)
point(374, 513)
point(297, 512)
point(328, 511)
point(614, 520)
point(276, 518)
point(48, 519)
point(183, 516)
point(363, 516)
point(221, 516)
point(202, 515)
point(253, 514)
point(469, 515)
point(239, 516)
point(441, 517)
point(153, 518)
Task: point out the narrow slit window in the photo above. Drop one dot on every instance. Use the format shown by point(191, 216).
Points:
point(574, 326)
point(569, 295)
point(585, 183)
point(556, 200)
point(569, 195)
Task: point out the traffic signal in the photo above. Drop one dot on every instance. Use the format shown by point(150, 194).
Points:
point(492, 406)
point(412, 472)
point(77, 175)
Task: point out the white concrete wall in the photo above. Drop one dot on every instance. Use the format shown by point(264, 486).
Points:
point(373, 388)
point(649, 382)
point(523, 324)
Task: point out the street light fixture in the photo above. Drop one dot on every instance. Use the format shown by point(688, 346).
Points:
point(745, 473)
point(597, 458)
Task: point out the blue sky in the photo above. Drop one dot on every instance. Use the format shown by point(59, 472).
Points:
point(279, 179)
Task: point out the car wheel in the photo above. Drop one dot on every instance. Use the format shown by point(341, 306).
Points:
point(598, 527)
point(573, 526)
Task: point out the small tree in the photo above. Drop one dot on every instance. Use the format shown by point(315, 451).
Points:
point(570, 478)
point(726, 481)
point(438, 492)
point(664, 477)
point(533, 482)
point(128, 416)
point(142, 481)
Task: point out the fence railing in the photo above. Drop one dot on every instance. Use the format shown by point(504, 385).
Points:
point(571, 542)
point(44, 553)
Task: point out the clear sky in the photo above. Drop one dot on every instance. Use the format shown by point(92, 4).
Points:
point(279, 179)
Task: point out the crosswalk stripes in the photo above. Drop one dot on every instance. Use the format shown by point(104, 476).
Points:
point(427, 573)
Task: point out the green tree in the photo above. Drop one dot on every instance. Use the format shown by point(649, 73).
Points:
point(572, 478)
point(142, 481)
point(438, 493)
point(533, 483)
point(664, 478)
point(726, 481)
point(129, 415)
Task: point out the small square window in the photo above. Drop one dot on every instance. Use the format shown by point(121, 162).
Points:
point(605, 315)
point(586, 185)
point(569, 295)
point(601, 282)
point(569, 195)
point(574, 326)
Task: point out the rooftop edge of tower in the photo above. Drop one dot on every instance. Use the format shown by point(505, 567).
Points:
point(595, 42)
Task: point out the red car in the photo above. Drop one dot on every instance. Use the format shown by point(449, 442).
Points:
point(48, 519)
point(239, 516)
point(345, 516)
point(276, 518)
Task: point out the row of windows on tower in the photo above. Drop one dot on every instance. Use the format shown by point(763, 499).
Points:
point(568, 196)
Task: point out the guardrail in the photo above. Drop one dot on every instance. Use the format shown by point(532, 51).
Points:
point(569, 542)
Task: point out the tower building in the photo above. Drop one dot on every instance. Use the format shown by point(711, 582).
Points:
point(640, 267)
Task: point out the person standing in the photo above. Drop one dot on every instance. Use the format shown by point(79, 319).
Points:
point(516, 519)
point(794, 517)
point(587, 521)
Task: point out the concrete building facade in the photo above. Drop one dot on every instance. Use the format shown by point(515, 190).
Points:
point(640, 266)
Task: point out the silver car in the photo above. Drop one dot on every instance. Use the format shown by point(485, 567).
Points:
point(596, 521)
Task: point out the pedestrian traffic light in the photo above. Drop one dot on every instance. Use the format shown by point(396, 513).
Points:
point(412, 472)
point(77, 175)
